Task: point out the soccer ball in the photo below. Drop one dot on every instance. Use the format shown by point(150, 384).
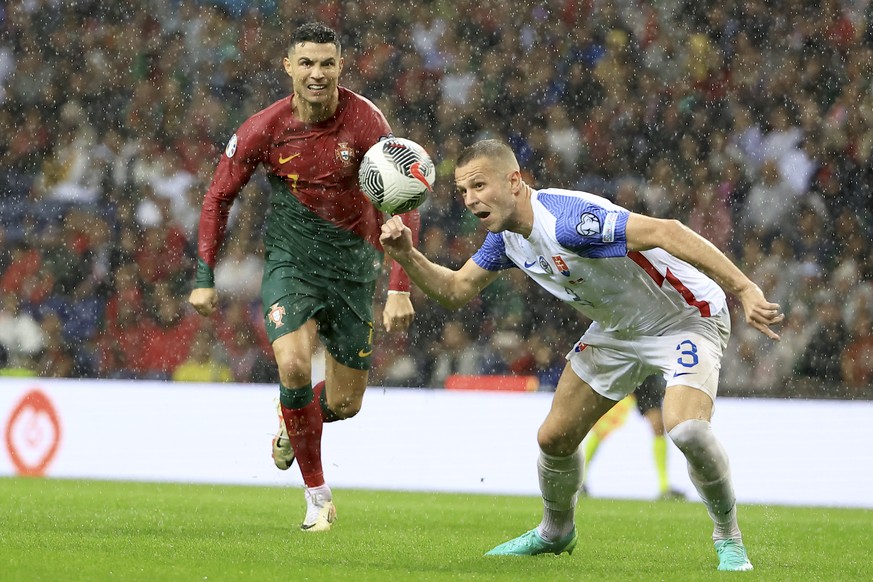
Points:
point(397, 175)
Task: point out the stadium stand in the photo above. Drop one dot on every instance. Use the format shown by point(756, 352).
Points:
point(752, 125)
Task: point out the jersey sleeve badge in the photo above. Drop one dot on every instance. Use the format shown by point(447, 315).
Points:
point(277, 312)
point(589, 224)
point(231, 147)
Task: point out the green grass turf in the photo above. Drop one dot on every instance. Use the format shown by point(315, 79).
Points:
point(63, 530)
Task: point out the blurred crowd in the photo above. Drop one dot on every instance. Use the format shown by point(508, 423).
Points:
point(751, 124)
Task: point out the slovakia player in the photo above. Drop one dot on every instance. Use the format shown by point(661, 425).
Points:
point(651, 288)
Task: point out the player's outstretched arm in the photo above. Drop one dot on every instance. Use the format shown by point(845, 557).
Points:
point(645, 232)
point(450, 288)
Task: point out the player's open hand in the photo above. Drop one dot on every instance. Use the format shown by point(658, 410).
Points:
point(760, 313)
point(204, 300)
point(396, 238)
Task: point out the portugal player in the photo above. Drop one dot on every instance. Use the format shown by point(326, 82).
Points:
point(322, 249)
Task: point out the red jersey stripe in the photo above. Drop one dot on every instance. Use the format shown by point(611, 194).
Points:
point(680, 287)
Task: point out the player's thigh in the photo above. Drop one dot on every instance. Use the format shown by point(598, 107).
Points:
point(683, 403)
point(576, 407)
point(293, 353)
point(344, 387)
point(290, 303)
point(692, 379)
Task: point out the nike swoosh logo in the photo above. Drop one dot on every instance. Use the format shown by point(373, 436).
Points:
point(288, 159)
point(415, 170)
point(365, 353)
point(677, 374)
point(529, 265)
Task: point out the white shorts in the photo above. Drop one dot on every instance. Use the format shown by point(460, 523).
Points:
point(685, 356)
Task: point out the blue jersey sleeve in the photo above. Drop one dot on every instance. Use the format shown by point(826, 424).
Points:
point(591, 230)
point(491, 256)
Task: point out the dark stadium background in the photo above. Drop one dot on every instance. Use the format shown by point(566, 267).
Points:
point(752, 125)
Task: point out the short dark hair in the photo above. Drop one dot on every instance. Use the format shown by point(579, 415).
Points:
point(493, 149)
point(314, 32)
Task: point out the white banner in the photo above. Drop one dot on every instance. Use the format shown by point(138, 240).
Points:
point(782, 451)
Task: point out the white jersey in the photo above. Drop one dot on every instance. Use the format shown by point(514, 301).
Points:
point(577, 251)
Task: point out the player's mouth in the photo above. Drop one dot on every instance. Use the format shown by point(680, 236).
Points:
point(317, 87)
point(482, 214)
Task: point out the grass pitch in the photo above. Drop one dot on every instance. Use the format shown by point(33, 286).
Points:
point(93, 530)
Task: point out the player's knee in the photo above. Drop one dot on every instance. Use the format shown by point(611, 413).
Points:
point(293, 370)
point(554, 442)
point(691, 435)
point(345, 408)
point(706, 457)
point(697, 442)
point(292, 378)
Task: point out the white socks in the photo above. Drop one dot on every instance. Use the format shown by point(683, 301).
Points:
point(709, 470)
point(560, 479)
point(318, 495)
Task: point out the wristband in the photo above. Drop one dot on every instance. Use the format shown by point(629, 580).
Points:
point(393, 292)
point(205, 277)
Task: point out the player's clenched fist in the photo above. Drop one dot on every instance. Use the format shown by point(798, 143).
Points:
point(396, 238)
point(204, 300)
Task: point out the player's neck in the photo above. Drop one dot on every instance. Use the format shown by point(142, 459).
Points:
point(523, 224)
point(314, 112)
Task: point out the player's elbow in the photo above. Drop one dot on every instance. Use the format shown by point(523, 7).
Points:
point(452, 301)
point(452, 289)
point(669, 229)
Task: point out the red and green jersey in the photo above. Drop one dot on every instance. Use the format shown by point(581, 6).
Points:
point(320, 222)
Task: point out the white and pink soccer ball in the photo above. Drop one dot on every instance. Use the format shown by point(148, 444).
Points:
point(397, 175)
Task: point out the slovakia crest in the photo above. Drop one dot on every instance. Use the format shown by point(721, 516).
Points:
point(345, 153)
point(562, 265)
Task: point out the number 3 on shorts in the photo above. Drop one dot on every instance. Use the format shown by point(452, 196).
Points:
point(687, 356)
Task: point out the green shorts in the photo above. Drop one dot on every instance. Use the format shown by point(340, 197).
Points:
point(343, 312)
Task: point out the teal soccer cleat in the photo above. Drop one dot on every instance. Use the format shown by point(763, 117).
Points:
point(732, 556)
point(531, 544)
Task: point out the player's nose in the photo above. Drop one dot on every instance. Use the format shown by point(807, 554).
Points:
point(474, 205)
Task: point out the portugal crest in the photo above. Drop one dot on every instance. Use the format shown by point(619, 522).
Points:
point(345, 153)
point(277, 312)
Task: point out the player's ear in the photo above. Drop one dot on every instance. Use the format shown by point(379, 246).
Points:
point(342, 62)
point(515, 181)
point(286, 64)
